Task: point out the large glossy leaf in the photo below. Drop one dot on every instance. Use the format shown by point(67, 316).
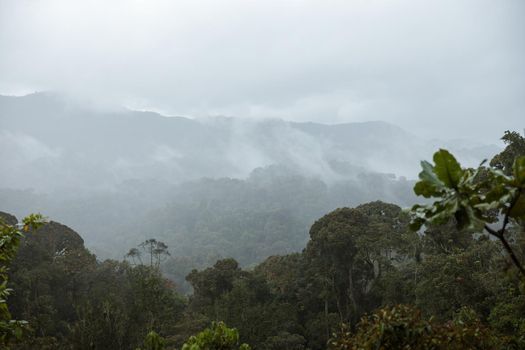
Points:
point(447, 168)
point(519, 171)
point(429, 184)
point(472, 197)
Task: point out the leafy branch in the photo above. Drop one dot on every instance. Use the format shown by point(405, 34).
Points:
point(10, 236)
point(474, 197)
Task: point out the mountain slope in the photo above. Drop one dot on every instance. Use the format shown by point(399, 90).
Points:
point(48, 142)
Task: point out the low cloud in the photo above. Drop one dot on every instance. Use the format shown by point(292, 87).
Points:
point(439, 68)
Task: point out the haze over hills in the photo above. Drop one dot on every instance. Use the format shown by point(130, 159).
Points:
point(262, 175)
point(50, 143)
point(217, 187)
point(121, 176)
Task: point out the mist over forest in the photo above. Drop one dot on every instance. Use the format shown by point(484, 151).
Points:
point(120, 177)
point(262, 175)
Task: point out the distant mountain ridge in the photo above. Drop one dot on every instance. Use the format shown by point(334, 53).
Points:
point(208, 188)
point(48, 142)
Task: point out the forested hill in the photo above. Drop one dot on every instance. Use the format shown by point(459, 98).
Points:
point(268, 213)
point(355, 261)
point(448, 286)
point(80, 147)
point(222, 187)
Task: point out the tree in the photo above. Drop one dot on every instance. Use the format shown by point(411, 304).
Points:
point(515, 148)
point(153, 341)
point(49, 276)
point(210, 284)
point(455, 279)
point(285, 340)
point(217, 337)
point(476, 198)
point(352, 250)
point(135, 255)
point(10, 236)
point(157, 251)
point(403, 327)
point(122, 305)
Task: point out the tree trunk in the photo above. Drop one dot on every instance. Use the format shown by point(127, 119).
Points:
point(351, 296)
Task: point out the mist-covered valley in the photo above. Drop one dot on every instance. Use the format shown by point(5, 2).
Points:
point(215, 187)
point(262, 175)
point(209, 189)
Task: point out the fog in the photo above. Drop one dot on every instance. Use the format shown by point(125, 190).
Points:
point(441, 69)
point(50, 143)
point(118, 116)
point(251, 166)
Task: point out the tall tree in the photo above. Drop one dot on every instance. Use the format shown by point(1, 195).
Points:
point(354, 248)
point(10, 236)
point(475, 198)
point(515, 148)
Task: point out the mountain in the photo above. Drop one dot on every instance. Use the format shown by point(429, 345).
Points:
point(49, 143)
point(221, 187)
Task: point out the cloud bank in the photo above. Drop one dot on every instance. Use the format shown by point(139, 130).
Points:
point(445, 68)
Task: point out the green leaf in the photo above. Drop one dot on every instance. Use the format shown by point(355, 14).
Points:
point(519, 170)
point(429, 184)
point(518, 210)
point(416, 224)
point(447, 168)
point(18, 332)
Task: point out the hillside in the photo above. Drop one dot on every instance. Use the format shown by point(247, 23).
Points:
point(222, 187)
point(49, 143)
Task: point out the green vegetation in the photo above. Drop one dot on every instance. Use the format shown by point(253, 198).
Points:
point(10, 237)
point(475, 198)
point(218, 336)
point(202, 221)
point(446, 275)
point(153, 341)
point(403, 327)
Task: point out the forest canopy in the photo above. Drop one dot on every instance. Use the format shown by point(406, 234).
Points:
point(445, 275)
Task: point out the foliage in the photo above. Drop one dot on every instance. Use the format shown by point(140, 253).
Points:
point(403, 327)
point(515, 148)
point(71, 300)
point(123, 304)
point(285, 340)
point(474, 197)
point(362, 260)
point(456, 279)
point(242, 299)
point(153, 341)
point(10, 237)
point(216, 337)
point(157, 251)
point(354, 249)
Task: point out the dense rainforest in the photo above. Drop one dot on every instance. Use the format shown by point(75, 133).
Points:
point(201, 221)
point(209, 189)
point(375, 276)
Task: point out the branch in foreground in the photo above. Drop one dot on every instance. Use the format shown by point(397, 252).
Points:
point(500, 235)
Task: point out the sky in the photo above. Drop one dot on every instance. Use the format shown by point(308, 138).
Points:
point(444, 69)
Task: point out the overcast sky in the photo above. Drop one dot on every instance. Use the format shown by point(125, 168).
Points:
point(443, 68)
